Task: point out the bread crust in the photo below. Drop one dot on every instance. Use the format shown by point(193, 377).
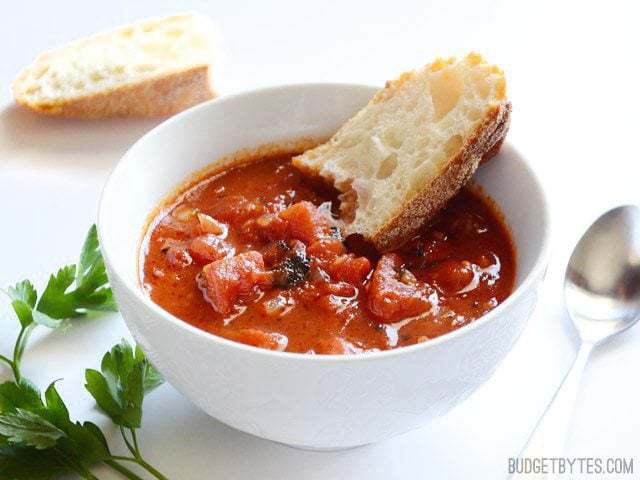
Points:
point(483, 144)
point(155, 97)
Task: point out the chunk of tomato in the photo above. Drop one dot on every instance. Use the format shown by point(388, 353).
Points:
point(177, 256)
point(268, 226)
point(258, 338)
point(326, 249)
point(229, 280)
point(308, 223)
point(208, 248)
point(454, 276)
point(391, 300)
point(330, 345)
point(349, 268)
point(235, 209)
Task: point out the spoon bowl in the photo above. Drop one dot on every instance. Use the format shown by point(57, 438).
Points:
point(602, 281)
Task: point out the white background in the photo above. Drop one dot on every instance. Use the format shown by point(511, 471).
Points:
point(573, 75)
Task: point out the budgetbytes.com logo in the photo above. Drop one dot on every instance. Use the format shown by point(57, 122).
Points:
point(571, 465)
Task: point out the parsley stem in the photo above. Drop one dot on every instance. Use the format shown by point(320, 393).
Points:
point(7, 361)
point(88, 475)
point(16, 373)
point(127, 443)
point(151, 470)
point(17, 354)
point(122, 458)
point(137, 456)
point(135, 441)
point(18, 350)
point(140, 461)
point(121, 469)
point(12, 365)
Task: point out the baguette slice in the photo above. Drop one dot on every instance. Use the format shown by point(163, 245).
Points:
point(154, 67)
point(418, 141)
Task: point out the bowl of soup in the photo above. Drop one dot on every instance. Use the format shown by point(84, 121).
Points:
point(230, 269)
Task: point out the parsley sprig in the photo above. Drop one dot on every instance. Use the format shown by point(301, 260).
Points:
point(38, 440)
point(119, 389)
point(59, 301)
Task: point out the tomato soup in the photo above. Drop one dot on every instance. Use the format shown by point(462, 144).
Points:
point(255, 254)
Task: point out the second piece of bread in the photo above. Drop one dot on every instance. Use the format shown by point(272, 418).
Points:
point(154, 67)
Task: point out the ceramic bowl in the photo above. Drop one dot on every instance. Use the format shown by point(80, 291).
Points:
point(318, 402)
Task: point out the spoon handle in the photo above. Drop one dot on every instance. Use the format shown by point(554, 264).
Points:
point(549, 436)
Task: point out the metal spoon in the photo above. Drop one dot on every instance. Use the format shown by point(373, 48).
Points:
point(602, 293)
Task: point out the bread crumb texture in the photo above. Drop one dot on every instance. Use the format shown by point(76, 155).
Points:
point(415, 144)
point(153, 67)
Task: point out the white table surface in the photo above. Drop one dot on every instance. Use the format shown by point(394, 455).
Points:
point(573, 73)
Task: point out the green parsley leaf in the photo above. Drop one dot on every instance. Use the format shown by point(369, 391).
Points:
point(152, 377)
point(23, 298)
point(88, 434)
point(97, 386)
point(25, 292)
point(55, 302)
point(86, 443)
point(120, 386)
point(91, 290)
point(45, 320)
point(29, 429)
point(30, 426)
point(28, 463)
point(19, 395)
point(91, 273)
point(57, 411)
point(23, 312)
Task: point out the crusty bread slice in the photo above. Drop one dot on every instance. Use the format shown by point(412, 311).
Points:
point(154, 67)
point(418, 141)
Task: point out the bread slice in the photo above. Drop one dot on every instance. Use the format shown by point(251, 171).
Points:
point(154, 67)
point(418, 141)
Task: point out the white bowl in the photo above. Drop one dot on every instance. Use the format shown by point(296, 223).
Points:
point(319, 402)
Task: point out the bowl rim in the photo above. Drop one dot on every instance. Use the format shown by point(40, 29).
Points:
point(138, 292)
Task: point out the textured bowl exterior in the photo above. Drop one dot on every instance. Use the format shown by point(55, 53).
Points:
point(334, 404)
point(318, 402)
